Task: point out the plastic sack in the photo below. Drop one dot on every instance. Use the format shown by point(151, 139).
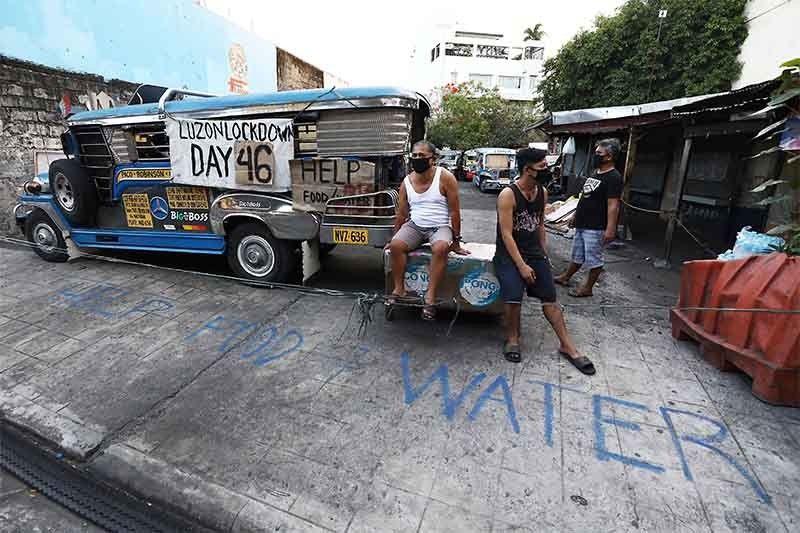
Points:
point(749, 243)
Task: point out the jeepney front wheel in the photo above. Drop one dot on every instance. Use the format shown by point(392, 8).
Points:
point(74, 191)
point(48, 242)
point(255, 254)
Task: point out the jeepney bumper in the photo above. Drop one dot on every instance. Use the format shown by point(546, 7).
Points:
point(355, 234)
point(21, 212)
point(494, 184)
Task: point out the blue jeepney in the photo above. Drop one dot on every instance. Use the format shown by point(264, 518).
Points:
point(269, 180)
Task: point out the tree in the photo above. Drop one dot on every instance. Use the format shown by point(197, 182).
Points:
point(470, 116)
point(625, 59)
point(534, 34)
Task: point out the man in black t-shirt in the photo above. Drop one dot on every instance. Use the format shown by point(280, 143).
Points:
point(595, 218)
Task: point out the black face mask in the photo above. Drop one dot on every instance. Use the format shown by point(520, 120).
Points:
point(544, 176)
point(598, 160)
point(421, 164)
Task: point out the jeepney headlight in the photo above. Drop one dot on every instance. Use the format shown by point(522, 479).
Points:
point(227, 203)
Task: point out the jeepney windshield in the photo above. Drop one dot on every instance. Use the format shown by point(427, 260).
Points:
point(499, 161)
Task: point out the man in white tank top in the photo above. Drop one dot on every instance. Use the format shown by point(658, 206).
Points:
point(428, 211)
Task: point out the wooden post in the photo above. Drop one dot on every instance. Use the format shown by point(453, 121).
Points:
point(630, 162)
point(687, 147)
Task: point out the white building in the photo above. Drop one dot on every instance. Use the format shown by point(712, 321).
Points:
point(772, 39)
point(451, 55)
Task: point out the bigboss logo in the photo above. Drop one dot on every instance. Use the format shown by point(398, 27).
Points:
point(188, 216)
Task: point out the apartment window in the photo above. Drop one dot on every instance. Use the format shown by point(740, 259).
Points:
point(510, 82)
point(434, 53)
point(534, 52)
point(482, 79)
point(533, 82)
point(491, 51)
point(458, 49)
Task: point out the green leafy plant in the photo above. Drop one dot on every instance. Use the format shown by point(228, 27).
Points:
point(535, 33)
point(787, 190)
point(634, 56)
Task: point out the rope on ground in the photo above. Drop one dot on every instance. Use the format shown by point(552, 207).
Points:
point(365, 301)
point(677, 219)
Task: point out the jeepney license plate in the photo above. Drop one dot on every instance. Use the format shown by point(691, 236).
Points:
point(504, 181)
point(351, 236)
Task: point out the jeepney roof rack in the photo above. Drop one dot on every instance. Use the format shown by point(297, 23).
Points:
point(173, 93)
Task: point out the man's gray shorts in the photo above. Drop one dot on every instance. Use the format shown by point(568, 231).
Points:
point(414, 236)
point(587, 248)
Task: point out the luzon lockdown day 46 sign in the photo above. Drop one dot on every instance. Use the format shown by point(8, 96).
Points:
point(232, 154)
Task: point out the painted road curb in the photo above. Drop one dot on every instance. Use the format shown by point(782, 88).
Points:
point(73, 438)
point(210, 504)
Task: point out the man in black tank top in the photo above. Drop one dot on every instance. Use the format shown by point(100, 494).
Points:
point(520, 259)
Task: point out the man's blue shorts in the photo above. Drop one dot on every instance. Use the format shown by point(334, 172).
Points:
point(512, 286)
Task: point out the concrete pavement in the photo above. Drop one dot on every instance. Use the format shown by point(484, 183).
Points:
point(258, 409)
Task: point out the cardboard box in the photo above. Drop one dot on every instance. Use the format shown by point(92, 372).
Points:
point(468, 278)
point(315, 181)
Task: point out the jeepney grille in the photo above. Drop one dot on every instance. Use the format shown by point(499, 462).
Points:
point(140, 142)
point(363, 132)
point(95, 157)
point(152, 143)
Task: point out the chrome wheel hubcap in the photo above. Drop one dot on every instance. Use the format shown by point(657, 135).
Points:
point(256, 256)
point(63, 192)
point(44, 237)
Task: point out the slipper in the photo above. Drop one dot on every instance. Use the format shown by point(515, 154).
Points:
point(428, 312)
point(559, 282)
point(582, 363)
point(389, 305)
point(511, 353)
point(575, 294)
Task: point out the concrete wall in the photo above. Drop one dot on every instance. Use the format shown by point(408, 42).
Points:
point(30, 119)
point(173, 43)
point(294, 73)
point(773, 38)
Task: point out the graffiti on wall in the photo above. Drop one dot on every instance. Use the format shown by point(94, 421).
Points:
point(90, 101)
point(237, 61)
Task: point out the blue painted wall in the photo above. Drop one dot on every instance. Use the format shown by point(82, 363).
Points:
point(165, 42)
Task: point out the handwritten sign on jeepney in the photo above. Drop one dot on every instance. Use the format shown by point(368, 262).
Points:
point(232, 154)
point(315, 181)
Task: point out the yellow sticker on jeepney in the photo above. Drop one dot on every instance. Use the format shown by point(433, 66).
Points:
point(137, 210)
point(144, 174)
point(187, 197)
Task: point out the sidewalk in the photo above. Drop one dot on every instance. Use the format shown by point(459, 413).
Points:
point(255, 409)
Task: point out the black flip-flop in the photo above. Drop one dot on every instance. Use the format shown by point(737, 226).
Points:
point(575, 294)
point(389, 305)
point(582, 363)
point(429, 312)
point(512, 353)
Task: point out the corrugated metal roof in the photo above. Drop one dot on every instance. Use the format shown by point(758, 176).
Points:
point(756, 94)
point(560, 118)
